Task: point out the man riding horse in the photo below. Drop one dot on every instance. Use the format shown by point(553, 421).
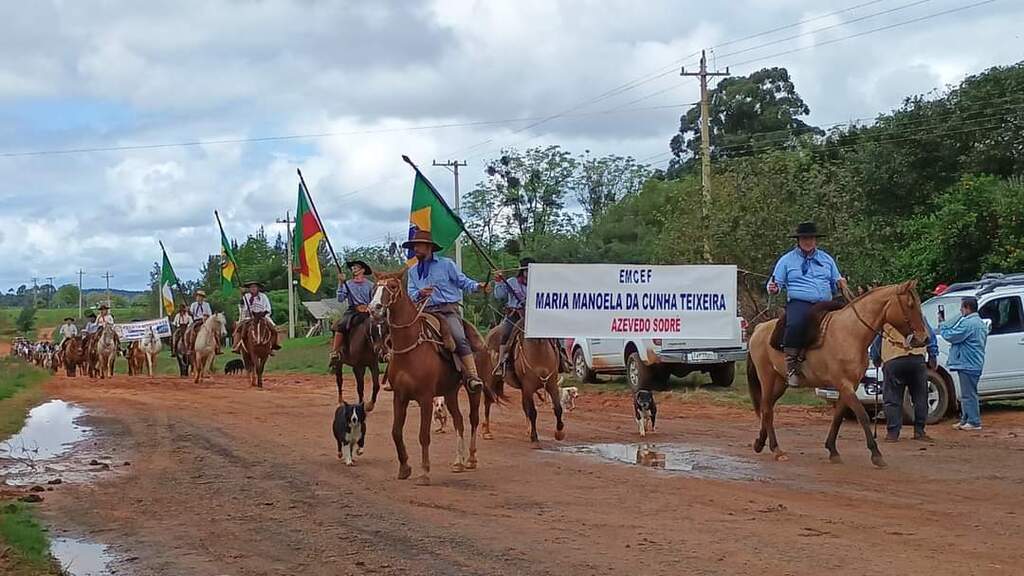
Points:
point(255, 306)
point(180, 324)
point(809, 275)
point(357, 292)
point(513, 292)
point(438, 281)
point(200, 311)
point(105, 318)
point(68, 330)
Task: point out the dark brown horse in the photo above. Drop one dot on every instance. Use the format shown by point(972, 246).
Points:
point(361, 354)
point(536, 371)
point(73, 355)
point(182, 341)
point(419, 370)
point(838, 360)
point(257, 343)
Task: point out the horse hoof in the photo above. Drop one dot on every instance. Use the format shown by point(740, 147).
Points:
point(758, 445)
point(471, 465)
point(559, 435)
point(423, 480)
point(879, 461)
point(404, 472)
point(535, 444)
point(350, 464)
point(835, 459)
point(458, 467)
point(359, 451)
point(369, 406)
point(340, 456)
point(781, 457)
point(488, 436)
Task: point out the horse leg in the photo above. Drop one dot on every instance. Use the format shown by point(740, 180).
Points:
point(401, 407)
point(375, 376)
point(474, 423)
point(451, 400)
point(849, 397)
point(487, 420)
point(556, 404)
point(360, 373)
point(426, 403)
point(530, 409)
point(838, 412)
point(261, 363)
point(338, 379)
point(768, 419)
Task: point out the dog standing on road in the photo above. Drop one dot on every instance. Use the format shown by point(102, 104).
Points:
point(235, 366)
point(569, 396)
point(350, 431)
point(440, 414)
point(644, 409)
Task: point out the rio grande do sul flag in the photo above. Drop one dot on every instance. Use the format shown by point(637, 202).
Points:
point(306, 244)
point(167, 279)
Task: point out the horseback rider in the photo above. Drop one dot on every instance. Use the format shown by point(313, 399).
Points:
point(68, 330)
point(255, 305)
point(513, 292)
point(439, 281)
point(809, 275)
point(105, 318)
point(358, 292)
point(180, 325)
point(200, 311)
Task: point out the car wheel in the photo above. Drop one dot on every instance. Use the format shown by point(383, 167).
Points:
point(939, 398)
point(722, 375)
point(583, 372)
point(638, 374)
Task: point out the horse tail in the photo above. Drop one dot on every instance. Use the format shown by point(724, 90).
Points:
point(754, 383)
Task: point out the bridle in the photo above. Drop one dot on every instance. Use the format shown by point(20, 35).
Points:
point(392, 297)
point(885, 312)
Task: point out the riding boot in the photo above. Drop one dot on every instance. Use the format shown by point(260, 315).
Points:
point(793, 362)
point(473, 381)
point(499, 368)
point(339, 341)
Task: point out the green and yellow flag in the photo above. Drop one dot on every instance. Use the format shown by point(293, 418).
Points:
point(228, 266)
point(167, 280)
point(430, 212)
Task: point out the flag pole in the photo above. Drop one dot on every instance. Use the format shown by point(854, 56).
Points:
point(238, 270)
point(323, 229)
point(457, 219)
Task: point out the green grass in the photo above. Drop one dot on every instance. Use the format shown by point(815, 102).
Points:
point(20, 389)
point(27, 540)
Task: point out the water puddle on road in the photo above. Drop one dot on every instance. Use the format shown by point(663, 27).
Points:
point(43, 450)
point(685, 459)
point(81, 558)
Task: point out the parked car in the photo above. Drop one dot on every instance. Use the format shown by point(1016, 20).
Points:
point(648, 362)
point(1001, 305)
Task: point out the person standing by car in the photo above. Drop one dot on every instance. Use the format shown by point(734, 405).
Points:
point(967, 358)
point(904, 368)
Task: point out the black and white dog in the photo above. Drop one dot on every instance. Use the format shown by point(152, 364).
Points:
point(645, 409)
point(350, 431)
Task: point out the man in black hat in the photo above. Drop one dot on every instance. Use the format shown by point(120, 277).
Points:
point(809, 275)
point(513, 292)
point(357, 292)
point(439, 281)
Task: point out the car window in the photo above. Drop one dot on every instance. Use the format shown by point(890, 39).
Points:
point(951, 304)
point(1005, 314)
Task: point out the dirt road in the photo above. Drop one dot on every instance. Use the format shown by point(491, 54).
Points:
point(229, 480)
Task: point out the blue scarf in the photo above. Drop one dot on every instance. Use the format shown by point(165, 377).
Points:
point(423, 267)
point(809, 259)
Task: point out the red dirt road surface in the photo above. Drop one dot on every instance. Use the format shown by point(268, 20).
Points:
point(225, 479)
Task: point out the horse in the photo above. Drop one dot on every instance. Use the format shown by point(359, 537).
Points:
point(419, 371)
point(136, 357)
point(73, 355)
point(206, 345)
point(151, 346)
point(361, 354)
point(257, 342)
point(181, 350)
point(837, 356)
point(106, 350)
point(536, 370)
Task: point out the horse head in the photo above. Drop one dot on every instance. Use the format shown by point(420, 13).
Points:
point(903, 312)
point(217, 324)
point(388, 293)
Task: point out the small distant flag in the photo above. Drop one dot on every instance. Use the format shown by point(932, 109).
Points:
point(228, 264)
point(306, 247)
point(430, 212)
point(167, 279)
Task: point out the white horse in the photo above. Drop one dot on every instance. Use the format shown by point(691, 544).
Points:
point(206, 345)
point(151, 346)
point(106, 350)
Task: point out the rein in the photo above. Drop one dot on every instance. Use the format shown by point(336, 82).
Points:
point(420, 338)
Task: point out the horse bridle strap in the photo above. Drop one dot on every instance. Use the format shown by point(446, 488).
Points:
point(906, 317)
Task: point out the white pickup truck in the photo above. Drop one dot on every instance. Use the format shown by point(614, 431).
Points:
point(648, 362)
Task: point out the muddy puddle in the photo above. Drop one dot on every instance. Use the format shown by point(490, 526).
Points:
point(697, 461)
point(82, 558)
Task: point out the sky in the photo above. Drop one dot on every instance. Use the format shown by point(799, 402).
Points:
point(354, 85)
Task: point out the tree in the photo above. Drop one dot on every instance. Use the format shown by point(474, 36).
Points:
point(601, 182)
point(26, 319)
point(67, 296)
point(482, 213)
point(747, 114)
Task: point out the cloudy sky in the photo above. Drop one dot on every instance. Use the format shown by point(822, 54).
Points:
point(360, 83)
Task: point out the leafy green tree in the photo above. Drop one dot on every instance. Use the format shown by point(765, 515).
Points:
point(66, 296)
point(601, 182)
point(26, 319)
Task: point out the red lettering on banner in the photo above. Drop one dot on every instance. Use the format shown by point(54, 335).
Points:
point(633, 325)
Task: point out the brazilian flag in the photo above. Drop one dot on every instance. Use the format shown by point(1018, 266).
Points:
point(228, 266)
point(431, 213)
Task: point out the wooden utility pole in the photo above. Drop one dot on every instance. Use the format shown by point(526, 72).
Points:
point(80, 274)
point(107, 276)
point(705, 143)
point(453, 167)
point(288, 221)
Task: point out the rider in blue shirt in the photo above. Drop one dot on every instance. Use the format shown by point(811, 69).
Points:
point(513, 292)
point(439, 281)
point(357, 292)
point(809, 275)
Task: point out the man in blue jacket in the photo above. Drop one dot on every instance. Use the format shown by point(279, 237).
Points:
point(967, 358)
point(904, 368)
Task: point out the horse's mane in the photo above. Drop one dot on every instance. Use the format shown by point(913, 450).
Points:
point(909, 284)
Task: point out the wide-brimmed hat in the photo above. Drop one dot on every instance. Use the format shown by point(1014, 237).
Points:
point(201, 292)
point(421, 237)
point(104, 307)
point(252, 282)
point(366, 267)
point(807, 229)
point(69, 318)
point(524, 263)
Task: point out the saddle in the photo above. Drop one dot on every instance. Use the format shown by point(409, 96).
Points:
point(817, 324)
point(435, 328)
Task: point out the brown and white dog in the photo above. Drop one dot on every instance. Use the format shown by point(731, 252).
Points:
point(440, 414)
point(569, 396)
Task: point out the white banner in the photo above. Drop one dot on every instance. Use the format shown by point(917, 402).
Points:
point(134, 331)
point(620, 300)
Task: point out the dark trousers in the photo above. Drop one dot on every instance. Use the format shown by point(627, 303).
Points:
point(797, 312)
point(905, 373)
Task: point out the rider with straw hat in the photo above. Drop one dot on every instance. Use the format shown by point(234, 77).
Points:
point(200, 311)
point(809, 275)
point(255, 304)
point(439, 282)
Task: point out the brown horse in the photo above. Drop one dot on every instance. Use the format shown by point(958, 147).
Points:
point(73, 355)
point(536, 370)
point(361, 354)
point(257, 343)
point(419, 371)
point(838, 358)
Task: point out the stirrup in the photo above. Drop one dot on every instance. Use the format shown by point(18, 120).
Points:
point(474, 384)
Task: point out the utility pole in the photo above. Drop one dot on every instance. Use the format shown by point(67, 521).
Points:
point(705, 143)
point(288, 264)
point(50, 292)
point(80, 274)
point(107, 276)
point(453, 167)
point(35, 291)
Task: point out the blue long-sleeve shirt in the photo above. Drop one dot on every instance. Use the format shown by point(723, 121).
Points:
point(444, 277)
point(932, 347)
point(967, 336)
point(514, 299)
point(355, 293)
point(811, 278)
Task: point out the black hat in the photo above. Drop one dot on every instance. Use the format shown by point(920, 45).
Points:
point(807, 229)
point(366, 267)
point(69, 319)
point(91, 315)
point(421, 237)
point(251, 282)
point(525, 262)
